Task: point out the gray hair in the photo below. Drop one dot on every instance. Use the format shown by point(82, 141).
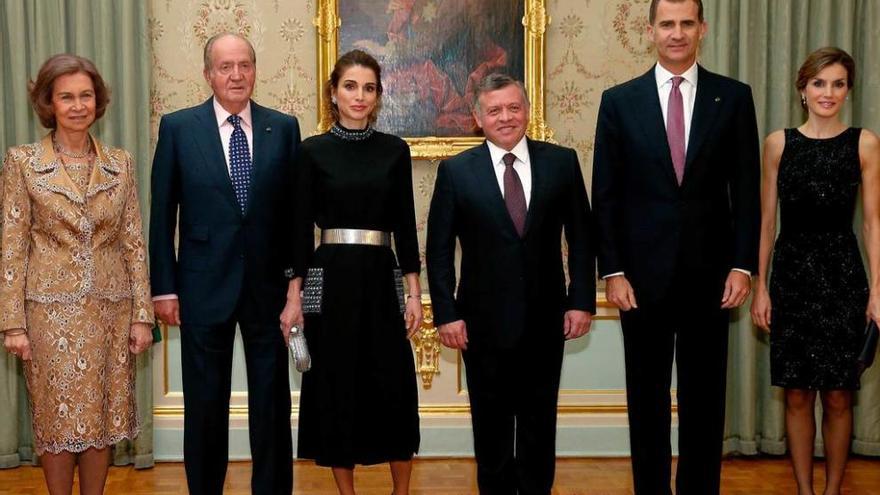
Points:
point(210, 44)
point(494, 82)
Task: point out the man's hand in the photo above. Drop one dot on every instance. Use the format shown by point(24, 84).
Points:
point(454, 334)
point(577, 323)
point(736, 289)
point(140, 337)
point(620, 293)
point(168, 311)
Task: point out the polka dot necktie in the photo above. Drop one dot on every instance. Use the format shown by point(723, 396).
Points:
point(239, 162)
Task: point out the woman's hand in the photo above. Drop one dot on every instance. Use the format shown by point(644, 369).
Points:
point(761, 308)
point(873, 311)
point(291, 315)
point(140, 337)
point(18, 343)
point(412, 316)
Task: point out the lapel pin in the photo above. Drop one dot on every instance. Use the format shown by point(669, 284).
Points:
point(268, 129)
point(717, 99)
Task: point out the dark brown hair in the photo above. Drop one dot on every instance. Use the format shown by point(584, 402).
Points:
point(821, 58)
point(652, 11)
point(346, 61)
point(40, 90)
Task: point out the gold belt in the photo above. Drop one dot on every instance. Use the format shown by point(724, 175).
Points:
point(356, 236)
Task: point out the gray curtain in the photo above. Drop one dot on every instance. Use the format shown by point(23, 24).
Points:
point(113, 34)
point(763, 43)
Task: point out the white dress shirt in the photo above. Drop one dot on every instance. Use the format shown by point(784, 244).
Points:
point(688, 89)
point(521, 165)
point(226, 128)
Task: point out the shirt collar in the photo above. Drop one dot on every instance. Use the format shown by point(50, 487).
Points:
point(663, 76)
point(222, 114)
point(521, 151)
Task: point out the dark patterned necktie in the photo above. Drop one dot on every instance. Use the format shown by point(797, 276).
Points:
point(514, 197)
point(239, 162)
point(675, 127)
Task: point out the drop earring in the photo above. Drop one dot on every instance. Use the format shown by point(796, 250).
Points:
point(803, 100)
point(333, 100)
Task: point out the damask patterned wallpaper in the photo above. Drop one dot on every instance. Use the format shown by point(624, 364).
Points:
point(591, 45)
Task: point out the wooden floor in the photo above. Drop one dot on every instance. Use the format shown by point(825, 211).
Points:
point(748, 476)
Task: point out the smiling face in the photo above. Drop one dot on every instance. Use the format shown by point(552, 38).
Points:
point(356, 95)
point(676, 32)
point(232, 73)
point(73, 102)
point(826, 91)
point(503, 115)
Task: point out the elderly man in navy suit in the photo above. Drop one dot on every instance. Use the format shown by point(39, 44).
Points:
point(221, 178)
point(675, 193)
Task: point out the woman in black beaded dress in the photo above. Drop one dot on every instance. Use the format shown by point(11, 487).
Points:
point(359, 402)
point(821, 297)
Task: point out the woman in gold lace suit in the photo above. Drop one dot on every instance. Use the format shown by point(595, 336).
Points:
point(74, 291)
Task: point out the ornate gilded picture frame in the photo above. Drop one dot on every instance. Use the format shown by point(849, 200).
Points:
point(432, 52)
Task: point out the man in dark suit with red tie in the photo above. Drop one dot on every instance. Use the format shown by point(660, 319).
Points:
point(507, 202)
point(676, 202)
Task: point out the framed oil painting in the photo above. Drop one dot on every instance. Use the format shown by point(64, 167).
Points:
point(433, 53)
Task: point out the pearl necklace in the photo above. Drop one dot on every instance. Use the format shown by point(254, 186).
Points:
point(71, 154)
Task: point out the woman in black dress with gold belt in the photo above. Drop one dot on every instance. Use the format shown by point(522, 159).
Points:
point(359, 402)
point(821, 298)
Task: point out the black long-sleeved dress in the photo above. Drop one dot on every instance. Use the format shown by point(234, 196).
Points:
point(359, 402)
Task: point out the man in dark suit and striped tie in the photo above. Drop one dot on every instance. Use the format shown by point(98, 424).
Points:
point(223, 170)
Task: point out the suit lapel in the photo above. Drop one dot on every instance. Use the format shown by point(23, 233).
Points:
point(706, 106)
point(53, 176)
point(261, 134)
point(646, 103)
point(207, 137)
point(56, 179)
point(536, 197)
point(484, 173)
point(104, 174)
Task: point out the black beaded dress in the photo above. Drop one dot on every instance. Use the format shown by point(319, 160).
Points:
point(359, 402)
point(818, 288)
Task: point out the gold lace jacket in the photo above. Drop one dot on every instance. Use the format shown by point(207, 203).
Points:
point(60, 244)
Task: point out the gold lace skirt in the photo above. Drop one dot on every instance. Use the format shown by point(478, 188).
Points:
point(81, 378)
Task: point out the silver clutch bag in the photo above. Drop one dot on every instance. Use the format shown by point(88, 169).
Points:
point(299, 350)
